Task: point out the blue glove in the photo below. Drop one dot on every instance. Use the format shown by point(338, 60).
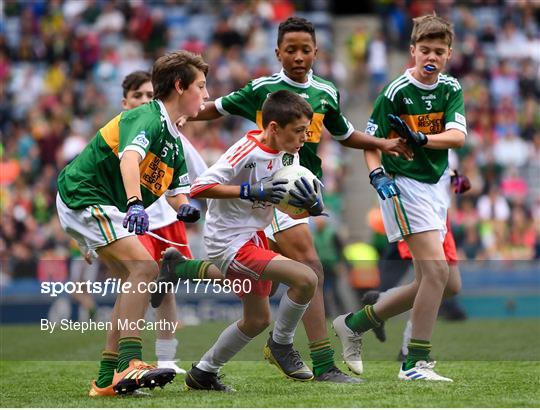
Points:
point(385, 186)
point(306, 197)
point(136, 217)
point(417, 138)
point(265, 190)
point(188, 213)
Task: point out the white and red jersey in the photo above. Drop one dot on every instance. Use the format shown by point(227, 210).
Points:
point(230, 223)
point(160, 213)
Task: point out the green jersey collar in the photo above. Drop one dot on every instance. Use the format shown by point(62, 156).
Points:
point(307, 84)
point(173, 130)
point(414, 81)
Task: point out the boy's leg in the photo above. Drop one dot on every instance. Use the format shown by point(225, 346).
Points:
point(302, 282)
point(129, 253)
point(428, 254)
point(256, 318)
point(166, 342)
point(296, 243)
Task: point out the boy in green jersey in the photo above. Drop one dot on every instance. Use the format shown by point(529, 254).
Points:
point(296, 50)
point(102, 195)
point(425, 108)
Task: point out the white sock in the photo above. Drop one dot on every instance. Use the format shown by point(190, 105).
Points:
point(288, 315)
point(229, 342)
point(166, 349)
point(407, 333)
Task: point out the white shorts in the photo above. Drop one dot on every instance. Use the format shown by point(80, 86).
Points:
point(92, 227)
point(280, 222)
point(420, 207)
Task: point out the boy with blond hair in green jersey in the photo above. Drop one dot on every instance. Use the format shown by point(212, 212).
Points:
point(102, 195)
point(296, 50)
point(425, 108)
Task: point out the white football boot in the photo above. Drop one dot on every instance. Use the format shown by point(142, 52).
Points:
point(351, 342)
point(421, 371)
point(170, 364)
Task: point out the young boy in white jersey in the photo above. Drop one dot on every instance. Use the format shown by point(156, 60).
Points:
point(165, 223)
point(242, 193)
point(296, 50)
point(102, 195)
point(425, 108)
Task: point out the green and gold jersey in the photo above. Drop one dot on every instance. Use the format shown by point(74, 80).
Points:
point(322, 95)
point(94, 178)
point(431, 109)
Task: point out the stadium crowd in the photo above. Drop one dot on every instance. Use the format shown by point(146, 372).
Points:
point(62, 64)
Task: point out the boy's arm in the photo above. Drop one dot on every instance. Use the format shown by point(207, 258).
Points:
point(451, 138)
point(448, 139)
point(129, 168)
point(210, 112)
point(383, 184)
point(184, 211)
point(394, 146)
point(136, 217)
point(218, 191)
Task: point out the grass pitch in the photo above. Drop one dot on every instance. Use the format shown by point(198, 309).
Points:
point(494, 364)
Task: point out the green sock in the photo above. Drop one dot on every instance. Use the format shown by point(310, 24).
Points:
point(322, 354)
point(363, 320)
point(129, 348)
point(192, 269)
point(107, 366)
point(418, 350)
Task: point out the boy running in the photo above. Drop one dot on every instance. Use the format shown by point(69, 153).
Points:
point(296, 51)
point(242, 193)
point(102, 195)
point(164, 221)
point(425, 108)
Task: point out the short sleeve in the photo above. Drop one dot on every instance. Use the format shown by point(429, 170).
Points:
point(336, 123)
point(454, 116)
point(137, 133)
point(242, 102)
point(378, 125)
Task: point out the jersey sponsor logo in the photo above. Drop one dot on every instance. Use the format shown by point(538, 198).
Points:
point(305, 96)
point(250, 165)
point(141, 139)
point(429, 97)
point(287, 159)
point(156, 176)
point(431, 123)
point(371, 127)
point(460, 119)
point(184, 179)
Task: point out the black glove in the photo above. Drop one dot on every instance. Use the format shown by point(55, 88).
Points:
point(417, 138)
point(383, 184)
point(266, 190)
point(306, 197)
point(188, 213)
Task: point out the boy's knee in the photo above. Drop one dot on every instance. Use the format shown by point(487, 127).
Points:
point(317, 268)
point(144, 271)
point(452, 289)
point(308, 282)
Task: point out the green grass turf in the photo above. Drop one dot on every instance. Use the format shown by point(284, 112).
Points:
point(495, 363)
